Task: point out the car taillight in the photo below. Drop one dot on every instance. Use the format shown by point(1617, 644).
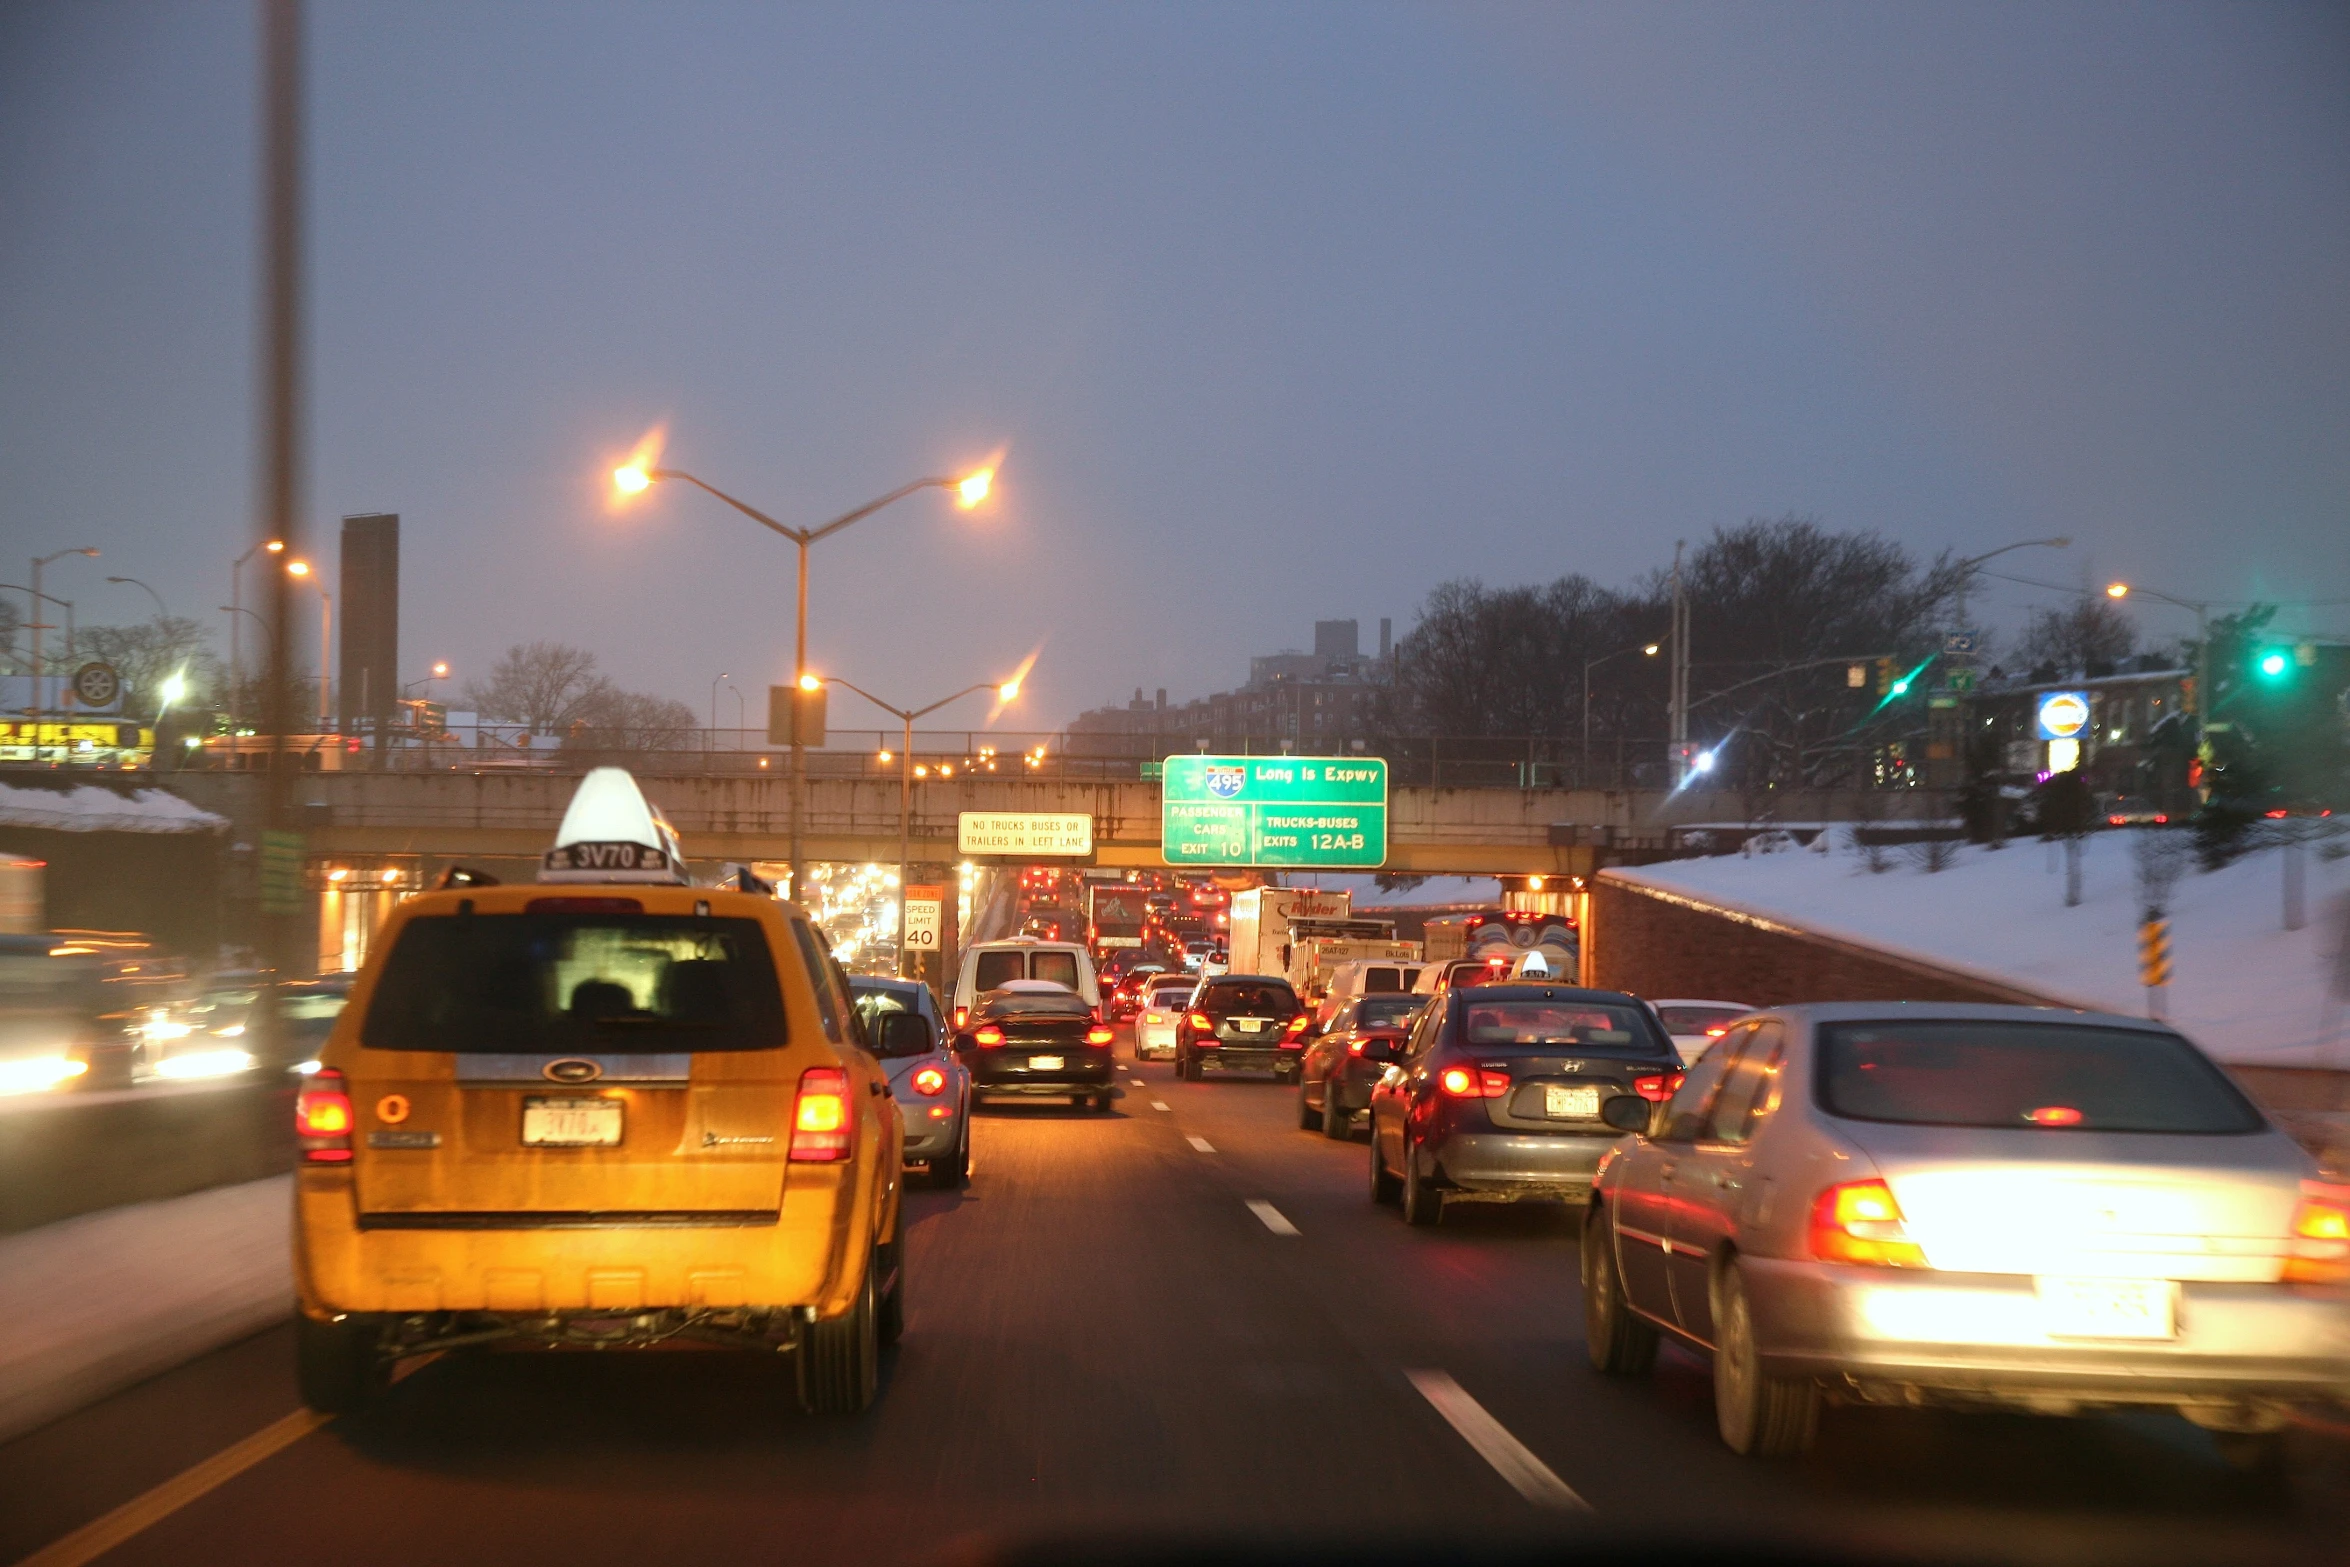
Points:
point(1153, 1017)
point(2320, 1248)
point(929, 1080)
point(820, 1124)
point(1354, 1046)
point(1464, 1082)
point(962, 1016)
point(1657, 1087)
point(323, 1118)
point(1099, 1036)
point(1200, 1024)
point(1858, 1221)
point(990, 1035)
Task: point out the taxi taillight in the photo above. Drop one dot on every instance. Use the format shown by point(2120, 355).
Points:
point(323, 1118)
point(820, 1124)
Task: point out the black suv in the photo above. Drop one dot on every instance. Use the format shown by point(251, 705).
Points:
point(1243, 1022)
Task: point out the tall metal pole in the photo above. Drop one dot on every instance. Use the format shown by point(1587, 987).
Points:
point(905, 832)
point(281, 450)
point(798, 787)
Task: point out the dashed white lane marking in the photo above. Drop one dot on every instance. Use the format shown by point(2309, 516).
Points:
point(1272, 1216)
point(1158, 1104)
point(1510, 1458)
point(1201, 1143)
point(1138, 1082)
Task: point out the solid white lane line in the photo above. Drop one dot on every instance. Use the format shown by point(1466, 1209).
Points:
point(1510, 1458)
point(93, 1540)
point(1201, 1143)
point(1272, 1216)
point(1158, 1104)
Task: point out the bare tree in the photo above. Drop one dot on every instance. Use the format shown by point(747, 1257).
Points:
point(631, 721)
point(548, 686)
point(2087, 638)
point(150, 653)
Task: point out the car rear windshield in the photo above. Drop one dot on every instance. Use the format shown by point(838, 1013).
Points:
point(1169, 995)
point(1527, 1023)
point(525, 983)
point(1385, 1011)
point(1696, 1020)
point(1249, 1000)
point(1020, 963)
point(2025, 1074)
point(1036, 1003)
point(1382, 979)
point(1059, 967)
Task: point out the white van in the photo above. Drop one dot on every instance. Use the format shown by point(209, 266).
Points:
point(987, 964)
point(1366, 977)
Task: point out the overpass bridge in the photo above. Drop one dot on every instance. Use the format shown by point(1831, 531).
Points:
point(494, 815)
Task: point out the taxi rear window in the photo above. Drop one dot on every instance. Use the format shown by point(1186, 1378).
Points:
point(520, 983)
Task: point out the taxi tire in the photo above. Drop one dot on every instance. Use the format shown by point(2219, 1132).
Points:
point(840, 1359)
point(1385, 1188)
point(1423, 1204)
point(1620, 1343)
point(1759, 1415)
point(338, 1366)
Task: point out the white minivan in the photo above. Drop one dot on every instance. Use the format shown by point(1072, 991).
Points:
point(987, 964)
point(1366, 977)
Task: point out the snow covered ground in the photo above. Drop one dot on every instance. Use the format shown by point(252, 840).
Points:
point(96, 1303)
point(2246, 989)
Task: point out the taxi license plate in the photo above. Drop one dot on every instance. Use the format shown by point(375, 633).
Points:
point(570, 1123)
point(1570, 1104)
point(2107, 1308)
point(1044, 1063)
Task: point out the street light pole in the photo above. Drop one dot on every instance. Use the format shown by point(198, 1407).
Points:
point(1006, 692)
point(1648, 649)
point(162, 612)
point(970, 490)
point(2202, 609)
point(39, 561)
point(236, 604)
point(1966, 568)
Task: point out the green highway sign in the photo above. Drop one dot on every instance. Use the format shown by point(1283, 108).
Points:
point(1325, 811)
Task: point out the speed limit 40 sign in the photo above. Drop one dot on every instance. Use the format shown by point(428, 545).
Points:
point(925, 917)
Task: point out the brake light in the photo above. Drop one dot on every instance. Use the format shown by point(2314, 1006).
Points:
point(1354, 1046)
point(1464, 1082)
point(1153, 1017)
point(1858, 1221)
point(584, 906)
point(989, 1035)
point(962, 1016)
point(1717, 1031)
point(1657, 1087)
point(1099, 1036)
point(2320, 1248)
point(1200, 1024)
point(323, 1118)
point(2054, 1115)
point(929, 1080)
point(820, 1124)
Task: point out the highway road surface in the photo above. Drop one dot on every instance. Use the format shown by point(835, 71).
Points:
point(1184, 1317)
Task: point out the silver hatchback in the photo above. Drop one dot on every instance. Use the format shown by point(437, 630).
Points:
point(1924, 1203)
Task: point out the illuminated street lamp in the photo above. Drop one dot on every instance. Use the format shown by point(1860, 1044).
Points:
point(1645, 650)
point(1006, 693)
point(2202, 694)
point(300, 571)
point(634, 478)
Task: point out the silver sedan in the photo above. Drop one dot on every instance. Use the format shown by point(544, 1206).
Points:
point(2009, 1207)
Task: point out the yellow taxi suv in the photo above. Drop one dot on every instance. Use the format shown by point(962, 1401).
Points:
point(609, 1110)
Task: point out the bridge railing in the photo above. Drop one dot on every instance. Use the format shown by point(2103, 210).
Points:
point(1414, 761)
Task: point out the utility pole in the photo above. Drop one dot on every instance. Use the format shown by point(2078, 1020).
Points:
point(1679, 729)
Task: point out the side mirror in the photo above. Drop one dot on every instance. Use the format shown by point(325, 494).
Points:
point(1625, 1112)
point(904, 1034)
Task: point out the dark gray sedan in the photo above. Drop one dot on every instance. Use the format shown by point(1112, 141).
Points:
point(2007, 1207)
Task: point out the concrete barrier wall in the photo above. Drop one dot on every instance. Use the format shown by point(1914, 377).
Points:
point(77, 1153)
point(1661, 944)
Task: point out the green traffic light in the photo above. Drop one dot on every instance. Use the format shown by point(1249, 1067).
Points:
point(2272, 663)
point(1901, 687)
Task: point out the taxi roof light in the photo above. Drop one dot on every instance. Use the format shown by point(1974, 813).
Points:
point(612, 833)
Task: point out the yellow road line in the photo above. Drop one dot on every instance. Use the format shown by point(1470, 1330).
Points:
point(94, 1540)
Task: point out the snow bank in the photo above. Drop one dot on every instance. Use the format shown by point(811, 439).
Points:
point(2246, 989)
point(96, 1303)
point(89, 808)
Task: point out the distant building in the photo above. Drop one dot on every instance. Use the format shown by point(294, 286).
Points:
point(1331, 699)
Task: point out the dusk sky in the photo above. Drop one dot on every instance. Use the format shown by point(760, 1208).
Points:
point(1275, 312)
